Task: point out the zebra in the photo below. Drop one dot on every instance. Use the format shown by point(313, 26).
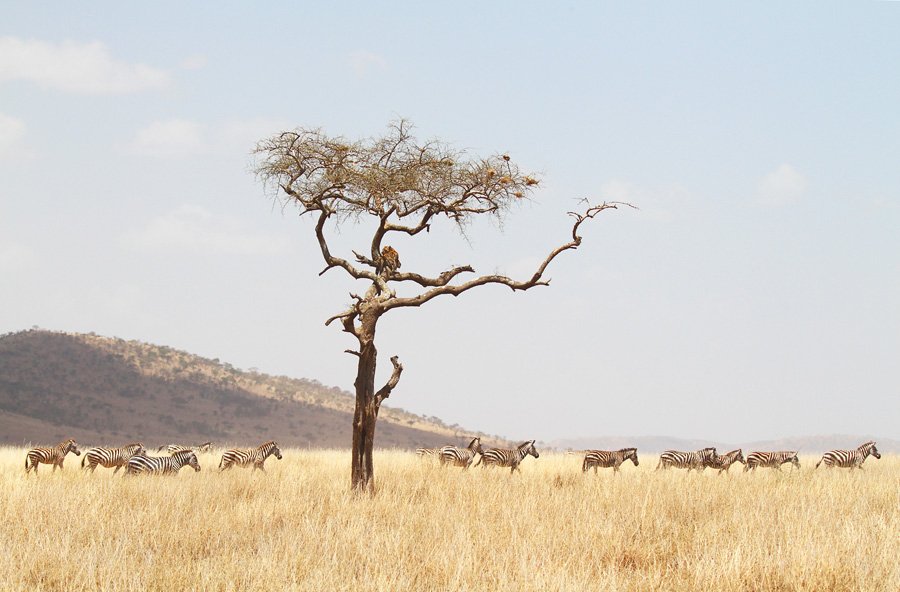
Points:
point(849, 459)
point(165, 465)
point(111, 457)
point(423, 452)
point(54, 456)
point(724, 462)
point(461, 457)
point(705, 457)
point(170, 448)
point(772, 460)
point(608, 458)
point(503, 457)
point(253, 456)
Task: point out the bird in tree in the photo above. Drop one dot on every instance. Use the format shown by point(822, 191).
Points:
point(402, 186)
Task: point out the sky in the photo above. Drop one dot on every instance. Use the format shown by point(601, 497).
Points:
point(753, 293)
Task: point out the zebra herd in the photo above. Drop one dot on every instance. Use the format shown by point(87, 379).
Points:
point(697, 460)
point(498, 457)
point(136, 461)
point(707, 457)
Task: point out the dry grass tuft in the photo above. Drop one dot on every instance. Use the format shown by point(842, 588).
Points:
point(298, 527)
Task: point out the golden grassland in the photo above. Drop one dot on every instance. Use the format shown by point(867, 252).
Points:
point(298, 527)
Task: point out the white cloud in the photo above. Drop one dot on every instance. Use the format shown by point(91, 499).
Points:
point(170, 138)
point(782, 186)
point(12, 132)
point(363, 62)
point(193, 229)
point(75, 67)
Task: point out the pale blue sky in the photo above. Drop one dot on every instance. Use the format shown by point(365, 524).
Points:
point(754, 295)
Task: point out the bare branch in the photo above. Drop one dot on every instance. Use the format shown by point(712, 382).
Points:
point(364, 260)
point(442, 280)
point(385, 391)
point(593, 211)
point(350, 314)
point(444, 288)
point(330, 260)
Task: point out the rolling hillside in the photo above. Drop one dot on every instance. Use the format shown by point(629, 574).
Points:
point(106, 390)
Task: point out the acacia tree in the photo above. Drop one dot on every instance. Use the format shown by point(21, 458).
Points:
point(403, 187)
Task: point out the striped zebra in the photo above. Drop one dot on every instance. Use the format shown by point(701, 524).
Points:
point(111, 457)
point(503, 457)
point(772, 460)
point(423, 452)
point(608, 458)
point(849, 459)
point(698, 460)
point(460, 457)
point(161, 465)
point(48, 456)
point(724, 462)
point(253, 456)
point(170, 448)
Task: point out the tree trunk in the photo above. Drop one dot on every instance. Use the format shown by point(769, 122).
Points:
point(362, 476)
point(368, 402)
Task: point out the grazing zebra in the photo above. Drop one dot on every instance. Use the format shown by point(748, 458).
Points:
point(111, 457)
point(771, 460)
point(724, 462)
point(460, 457)
point(849, 459)
point(503, 457)
point(253, 456)
point(608, 458)
point(699, 460)
point(170, 448)
point(165, 465)
point(54, 456)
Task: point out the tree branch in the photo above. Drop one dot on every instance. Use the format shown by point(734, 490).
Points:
point(348, 318)
point(444, 288)
point(385, 391)
point(441, 280)
point(330, 260)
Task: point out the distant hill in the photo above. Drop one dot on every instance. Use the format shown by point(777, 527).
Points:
point(107, 390)
point(657, 444)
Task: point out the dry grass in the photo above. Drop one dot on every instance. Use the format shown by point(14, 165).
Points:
point(427, 528)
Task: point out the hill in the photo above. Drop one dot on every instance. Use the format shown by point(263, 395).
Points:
point(107, 390)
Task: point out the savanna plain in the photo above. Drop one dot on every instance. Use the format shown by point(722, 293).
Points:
point(428, 528)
